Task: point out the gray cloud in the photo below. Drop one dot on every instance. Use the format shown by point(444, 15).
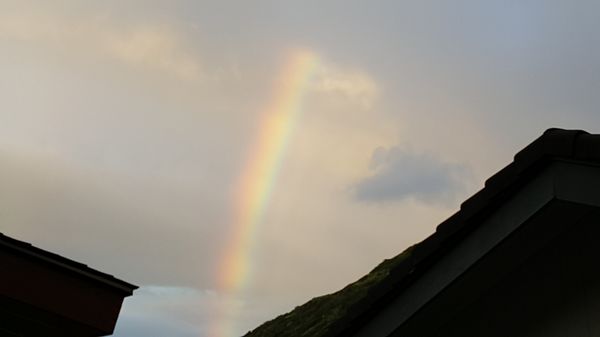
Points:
point(96, 219)
point(146, 159)
point(166, 311)
point(400, 175)
point(144, 327)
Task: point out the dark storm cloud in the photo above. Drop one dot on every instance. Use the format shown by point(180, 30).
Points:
point(400, 175)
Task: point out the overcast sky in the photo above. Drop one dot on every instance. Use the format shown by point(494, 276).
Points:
point(125, 125)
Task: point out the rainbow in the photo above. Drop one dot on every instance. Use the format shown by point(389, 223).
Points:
point(258, 177)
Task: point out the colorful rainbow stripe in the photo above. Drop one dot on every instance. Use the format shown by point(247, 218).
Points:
point(259, 176)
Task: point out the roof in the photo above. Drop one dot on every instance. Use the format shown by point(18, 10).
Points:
point(65, 264)
point(43, 293)
point(341, 313)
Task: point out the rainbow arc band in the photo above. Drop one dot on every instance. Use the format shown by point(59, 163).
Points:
point(259, 176)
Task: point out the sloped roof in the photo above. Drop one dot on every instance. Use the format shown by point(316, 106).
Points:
point(42, 293)
point(342, 312)
point(66, 264)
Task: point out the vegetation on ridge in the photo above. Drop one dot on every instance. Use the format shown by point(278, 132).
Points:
point(316, 317)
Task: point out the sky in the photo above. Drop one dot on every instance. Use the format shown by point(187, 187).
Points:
point(236, 158)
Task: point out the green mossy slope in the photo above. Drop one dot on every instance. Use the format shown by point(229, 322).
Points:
point(315, 317)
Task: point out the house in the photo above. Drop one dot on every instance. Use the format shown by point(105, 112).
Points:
point(520, 258)
point(44, 294)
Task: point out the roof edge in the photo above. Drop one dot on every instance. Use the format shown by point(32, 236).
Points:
point(64, 263)
point(554, 144)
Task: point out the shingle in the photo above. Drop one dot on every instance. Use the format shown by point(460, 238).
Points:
point(588, 147)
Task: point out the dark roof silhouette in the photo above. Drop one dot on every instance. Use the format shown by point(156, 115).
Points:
point(45, 294)
point(66, 264)
point(342, 313)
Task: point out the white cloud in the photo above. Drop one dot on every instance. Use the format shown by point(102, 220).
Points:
point(154, 47)
point(149, 46)
point(352, 84)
